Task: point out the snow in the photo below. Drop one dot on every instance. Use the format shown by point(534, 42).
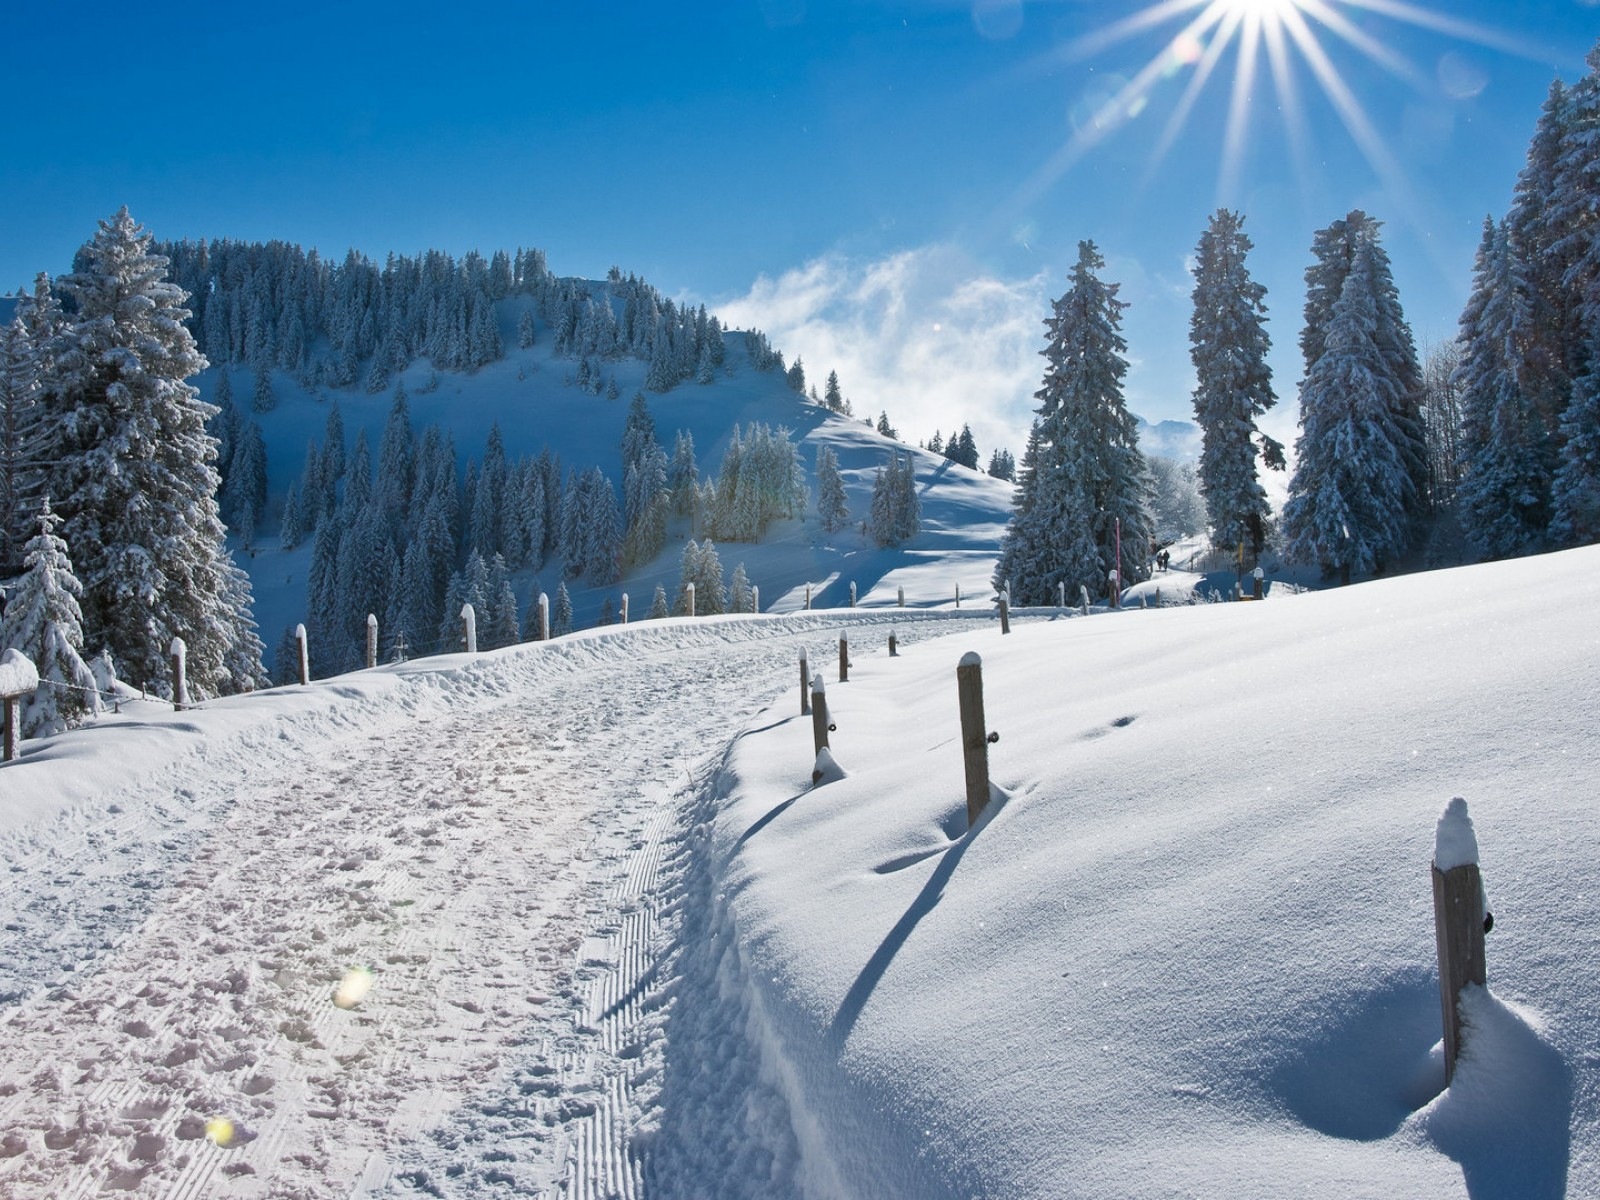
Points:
point(613, 942)
point(18, 676)
point(1454, 842)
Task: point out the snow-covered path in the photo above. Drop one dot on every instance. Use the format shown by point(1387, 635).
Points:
point(172, 958)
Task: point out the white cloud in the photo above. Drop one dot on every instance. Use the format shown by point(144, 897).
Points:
point(923, 334)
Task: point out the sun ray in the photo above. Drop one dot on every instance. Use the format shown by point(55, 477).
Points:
point(1244, 78)
point(1191, 93)
point(1467, 31)
point(1342, 27)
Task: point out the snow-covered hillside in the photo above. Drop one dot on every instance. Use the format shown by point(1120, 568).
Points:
point(570, 919)
point(530, 394)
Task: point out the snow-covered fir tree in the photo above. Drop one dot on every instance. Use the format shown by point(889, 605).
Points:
point(561, 618)
point(832, 506)
point(1508, 459)
point(962, 449)
point(658, 604)
point(1084, 480)
point(683, 475)
point(134, 481)
point(1347, 500)
point(740, 599)
point(896, 512)
point(1003, 466)
point(701, 565)
point(1228, 345)
point(43, 621)
point(832, 396)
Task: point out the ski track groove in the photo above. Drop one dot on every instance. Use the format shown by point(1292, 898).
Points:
point(202, 986)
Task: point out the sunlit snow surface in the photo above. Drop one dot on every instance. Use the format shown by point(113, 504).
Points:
point(619, 944)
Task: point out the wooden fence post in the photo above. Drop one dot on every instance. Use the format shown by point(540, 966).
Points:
point(755, 598)
point(1142, 603)
point(544, 617)
point(180, 681)
point(844, 659)
point(1260, 583)
point(820, 725)
point(624, 608)
point(805, 683)
point(958, 595)
point(900, 598)
point(894, 645)
point(305, 657)
point(1460, 920)
point(372, 641)
point(1061, 592)
point(1005, 614)
point(1111, 586)
point(974, 739)
point(1083, 600)
point(469, 628)
point(808, 597)
point(852, 593)
point(18, 678)
point(688, 592)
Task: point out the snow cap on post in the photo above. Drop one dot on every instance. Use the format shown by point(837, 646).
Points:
point(970, 659)
point(817, 684)
point(178, 650)
point(18, 675)
point(1455, 844)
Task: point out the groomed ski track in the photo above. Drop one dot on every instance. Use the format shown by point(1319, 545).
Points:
point(507, 848)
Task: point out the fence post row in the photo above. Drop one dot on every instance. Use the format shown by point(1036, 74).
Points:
point(180, 681)
point(469, 628)
point(18, 678)
point(975, 739)
point(372, 641)
point(1460, 919)
point(305, 658)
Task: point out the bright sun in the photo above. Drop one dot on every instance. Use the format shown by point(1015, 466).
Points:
point(1288, 36)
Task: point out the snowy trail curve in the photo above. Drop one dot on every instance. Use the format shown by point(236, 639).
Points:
point(495, 868)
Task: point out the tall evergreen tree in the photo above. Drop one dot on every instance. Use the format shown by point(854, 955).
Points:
point(135, 484)
point(1347, 500)
point(561, 618)
point(1508, 458)
point(1228, 345)
point(1085, 482)
point(832, 507)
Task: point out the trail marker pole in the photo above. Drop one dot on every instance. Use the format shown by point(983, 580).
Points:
point(958, 595)
point(180, 682)
point(975, 739)
point(1061, 592)
point(1460, 920)
point(372, 641)
point(820, 725)
point(1083, 600)
point(305, 658)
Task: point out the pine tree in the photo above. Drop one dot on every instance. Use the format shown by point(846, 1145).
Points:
point(739, 596)
point(1003, 466)
point(1346, 509)
point(1508, 459)
point(43, 621)
point(1085, 482)
point(247, 483)
point(683, 476)
point(561, 619)
point(658, 605)
point(831, 395)
point(896, 512)
point(832, 507)
point(134, 483)
point(1228, 345)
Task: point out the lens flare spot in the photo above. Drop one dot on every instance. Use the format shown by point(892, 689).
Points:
point(220, 1131)
point(353, 988)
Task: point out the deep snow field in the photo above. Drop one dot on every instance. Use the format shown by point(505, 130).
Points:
point(570, 919)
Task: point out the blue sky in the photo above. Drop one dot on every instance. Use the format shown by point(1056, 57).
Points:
point(894, 190)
